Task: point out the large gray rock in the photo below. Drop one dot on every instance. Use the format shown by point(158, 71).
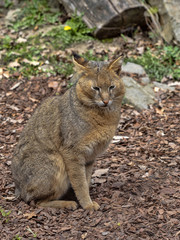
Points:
point(133, 68)
point(136, 95)
point(173, 10)
point(140, 94)
point(11, 16)
point(108, 17)
point(169, 12)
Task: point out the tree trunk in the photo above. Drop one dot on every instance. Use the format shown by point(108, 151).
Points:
point(108, 17)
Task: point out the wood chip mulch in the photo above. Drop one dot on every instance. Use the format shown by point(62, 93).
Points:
point(138, 188)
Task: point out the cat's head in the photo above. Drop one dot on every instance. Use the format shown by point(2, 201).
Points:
point(98, 84)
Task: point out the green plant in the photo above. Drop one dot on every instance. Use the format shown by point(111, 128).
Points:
point(5, 214)
point(21, 55)
point(60, 67)
point(5, 43)
point(8, 3)
point(89, 55)
point(30, 230)
point(74, 30)
point(160, 62)
point(34, 13)
point(17, 237)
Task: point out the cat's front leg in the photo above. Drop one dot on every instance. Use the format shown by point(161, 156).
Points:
point(89, 169)
point(78, 179)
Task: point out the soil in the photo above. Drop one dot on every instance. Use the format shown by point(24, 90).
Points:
point(138, 188)
point(136, 181)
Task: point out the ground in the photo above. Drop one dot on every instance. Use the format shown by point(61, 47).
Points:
point(138, 191)
point(136, 182)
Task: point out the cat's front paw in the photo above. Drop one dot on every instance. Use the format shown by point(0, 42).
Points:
point(92, 206)
point(72, 205)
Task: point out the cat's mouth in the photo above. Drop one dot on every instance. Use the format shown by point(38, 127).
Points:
point(104, 105)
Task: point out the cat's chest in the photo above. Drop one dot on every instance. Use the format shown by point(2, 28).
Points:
point(97, 143)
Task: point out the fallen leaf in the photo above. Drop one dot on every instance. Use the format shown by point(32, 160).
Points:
point(117, 139)
point(173, 212)
point(100, 172)
point(36, 28)
point(15, 85)
point(33, 99)
point(145, 175)
point(174, 84)
point(156, 89)
point(14, 64)
point(160, 111)
point(161, 211)
point(10, 198)
point(99, 180)
point(172, 145)
point(9, 93)
point(53, 84)
point(34, 63)
point(84, 235)
point(168, 191)
point(65, 228)
point(21, 40)
point(30, 215)
point(12, 107)
point(6, 74)
point(142, 167)
point(140, 50)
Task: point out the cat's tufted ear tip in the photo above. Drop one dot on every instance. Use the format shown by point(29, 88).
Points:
point(79, 62)
point(75, 55)
point(115, 65)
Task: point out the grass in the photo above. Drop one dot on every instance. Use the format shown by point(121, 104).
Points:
point(33, 14)
point(73, 31)
point(5, 214)
point(41, 47)
point(21, 56)
point(160, 62)
point(17, 237)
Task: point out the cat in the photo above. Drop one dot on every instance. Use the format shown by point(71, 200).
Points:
point(61, 140)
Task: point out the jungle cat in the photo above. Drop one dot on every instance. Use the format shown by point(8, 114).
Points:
point(61, 140)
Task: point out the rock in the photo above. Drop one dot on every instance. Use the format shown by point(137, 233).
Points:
point(46, 68)
point(136, 94)
point(11, 16)
point(142, 96)
point(163, 86)
point(108, 17)
point(133, 68)
point(136, 69)
point(145, 80)
point(169, 12)
point(173, 10)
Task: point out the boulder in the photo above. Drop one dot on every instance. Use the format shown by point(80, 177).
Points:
point(136, 94)
point(133, 68)
point(143, 93)
point(169, 17)
point(173, 10)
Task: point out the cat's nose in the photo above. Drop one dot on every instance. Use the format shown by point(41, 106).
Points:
point(106, 102)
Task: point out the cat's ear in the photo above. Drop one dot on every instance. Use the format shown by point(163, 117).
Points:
point(115, 65)
point(79, 62)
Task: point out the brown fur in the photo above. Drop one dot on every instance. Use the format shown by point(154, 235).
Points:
point(66, 133)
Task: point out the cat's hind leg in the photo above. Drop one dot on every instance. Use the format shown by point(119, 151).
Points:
point(58, 204)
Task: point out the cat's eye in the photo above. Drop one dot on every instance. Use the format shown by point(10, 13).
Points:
point(112, 87)
point(96, 88)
